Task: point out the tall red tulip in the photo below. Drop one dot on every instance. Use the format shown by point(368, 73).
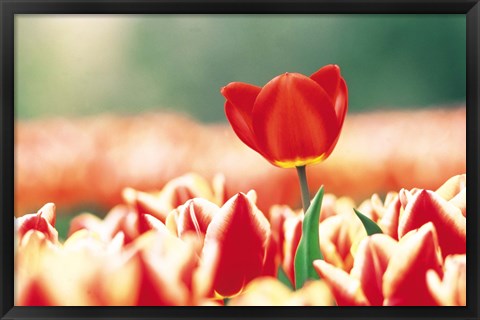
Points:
point(294, 120)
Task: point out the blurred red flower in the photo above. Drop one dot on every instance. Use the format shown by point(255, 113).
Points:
point(387, 272)
point(203, 251)
point(42, 221)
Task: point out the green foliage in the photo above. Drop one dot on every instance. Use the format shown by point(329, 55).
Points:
point(283, 278)
point(309, 249)
point(370, 226)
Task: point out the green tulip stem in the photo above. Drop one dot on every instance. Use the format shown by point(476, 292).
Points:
point(302, 176)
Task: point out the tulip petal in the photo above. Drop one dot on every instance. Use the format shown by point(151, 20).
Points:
point(31, 289)
point(336, 240)
point(270, 262)
point(314, 293)
point(266, 291)
point(263, 291)
point(451, 290)
point(292, 234)
point(114, 221)
point(48, 213)
point(294, 121)
point(191, 185)
point(194, 216)
point(341, 107)
point(35, 293)
point(167, 264)
point(242, 232)
point(389, 221)
point(118, 279)
point(242, 96)
point(449, 222)
point(144, 202)
point(417, 253)
point(86, 221)
point(238, 109)
point(452, 186)
point(42, 221)
point(341, 102)
point(371, 261)
point(346, 290)
point(219, 189)
point(133, 223)
point(278, 217)
point(460, 201)
point(328, 77)
point(204, 274)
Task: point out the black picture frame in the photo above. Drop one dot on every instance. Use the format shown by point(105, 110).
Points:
point(8, 10)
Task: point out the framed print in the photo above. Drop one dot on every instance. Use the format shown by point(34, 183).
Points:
point(225, 159)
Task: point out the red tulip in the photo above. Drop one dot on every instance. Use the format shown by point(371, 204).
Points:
point(241, 232)
point(371, 262)
point(405, 280)
point(294, 120)
point(387, 272)
point(424, 206)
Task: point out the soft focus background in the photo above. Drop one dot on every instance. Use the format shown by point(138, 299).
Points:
point(76, 66)
point(83, 65)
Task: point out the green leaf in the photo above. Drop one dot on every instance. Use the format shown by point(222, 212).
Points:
point(370, 226)
point(283, 278)
point(309, 247)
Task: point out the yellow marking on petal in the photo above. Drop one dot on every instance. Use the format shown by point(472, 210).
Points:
point(297, 162)
point(218, 296)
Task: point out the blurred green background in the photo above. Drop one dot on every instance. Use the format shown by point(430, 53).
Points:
point(81, 65)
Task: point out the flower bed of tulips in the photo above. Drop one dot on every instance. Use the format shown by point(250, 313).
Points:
point(188, 245)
